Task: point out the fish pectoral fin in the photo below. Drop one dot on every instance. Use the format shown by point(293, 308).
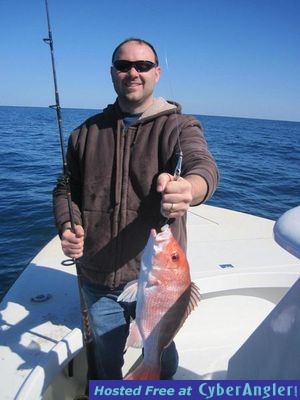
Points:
point(129, 293)
point(191, 298)
point(195, 298)
point(134, 338)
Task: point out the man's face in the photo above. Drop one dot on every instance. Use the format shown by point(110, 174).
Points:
point(135, 89)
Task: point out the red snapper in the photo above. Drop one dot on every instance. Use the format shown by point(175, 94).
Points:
point(165, 297)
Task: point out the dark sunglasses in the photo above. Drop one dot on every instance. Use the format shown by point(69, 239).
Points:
point(140, 66)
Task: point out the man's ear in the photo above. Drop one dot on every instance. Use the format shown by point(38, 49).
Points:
point(157, 73)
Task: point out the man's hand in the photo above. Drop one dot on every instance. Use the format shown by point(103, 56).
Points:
point(176, 195)
point(179, 193)
point(72, 242)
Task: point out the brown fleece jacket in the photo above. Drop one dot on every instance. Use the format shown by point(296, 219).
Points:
point(113, 175)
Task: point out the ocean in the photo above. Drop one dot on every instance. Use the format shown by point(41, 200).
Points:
point(259, 163)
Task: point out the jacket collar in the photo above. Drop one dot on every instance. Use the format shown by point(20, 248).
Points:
point(158, 107)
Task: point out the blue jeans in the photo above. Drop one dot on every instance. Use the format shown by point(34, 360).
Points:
point(110, 321)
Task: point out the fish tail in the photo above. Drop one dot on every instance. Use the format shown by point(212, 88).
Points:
point(144, 372)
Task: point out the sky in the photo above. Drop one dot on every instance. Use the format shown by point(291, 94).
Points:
point(236, 58)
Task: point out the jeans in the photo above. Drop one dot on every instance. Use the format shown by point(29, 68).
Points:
point(110, 322)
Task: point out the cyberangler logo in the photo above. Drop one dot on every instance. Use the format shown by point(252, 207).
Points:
point(251, 390)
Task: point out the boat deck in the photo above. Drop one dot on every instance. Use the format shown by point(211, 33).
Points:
point(233, 259)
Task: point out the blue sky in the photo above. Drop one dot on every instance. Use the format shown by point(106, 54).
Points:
point(224, 57)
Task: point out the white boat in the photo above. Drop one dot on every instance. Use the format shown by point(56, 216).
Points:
point(249, 287)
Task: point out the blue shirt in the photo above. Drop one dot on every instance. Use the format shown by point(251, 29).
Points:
point(129, 119)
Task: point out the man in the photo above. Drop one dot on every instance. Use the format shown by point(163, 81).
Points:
point(122, 164)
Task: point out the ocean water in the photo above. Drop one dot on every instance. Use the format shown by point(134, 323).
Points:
point(259, 163)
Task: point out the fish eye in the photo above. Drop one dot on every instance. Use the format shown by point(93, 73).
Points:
point(174, 256)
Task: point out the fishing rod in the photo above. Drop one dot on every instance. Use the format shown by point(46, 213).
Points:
point(65, 180)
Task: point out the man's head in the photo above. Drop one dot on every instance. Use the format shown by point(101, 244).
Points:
point(135, 72)
point(137, 40)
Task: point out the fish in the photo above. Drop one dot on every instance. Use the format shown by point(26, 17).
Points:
point(164, 295)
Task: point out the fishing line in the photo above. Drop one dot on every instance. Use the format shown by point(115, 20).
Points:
point(65, 181)
point(178, 168)
point(165, 222)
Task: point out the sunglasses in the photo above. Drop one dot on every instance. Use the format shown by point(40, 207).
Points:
point(140, 66)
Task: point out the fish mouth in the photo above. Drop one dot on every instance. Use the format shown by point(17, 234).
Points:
point(153, 233)
point(155, 245)
point(161, 236)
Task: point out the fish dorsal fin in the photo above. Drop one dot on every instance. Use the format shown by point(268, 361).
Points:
point(129, 293)
point(134, 338)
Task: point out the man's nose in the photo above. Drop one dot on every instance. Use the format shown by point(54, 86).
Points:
point(133, 71)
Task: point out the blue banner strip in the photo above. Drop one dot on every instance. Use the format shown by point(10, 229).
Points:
point(194, 390)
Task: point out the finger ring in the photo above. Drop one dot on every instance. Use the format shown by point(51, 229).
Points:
point(172, 208)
